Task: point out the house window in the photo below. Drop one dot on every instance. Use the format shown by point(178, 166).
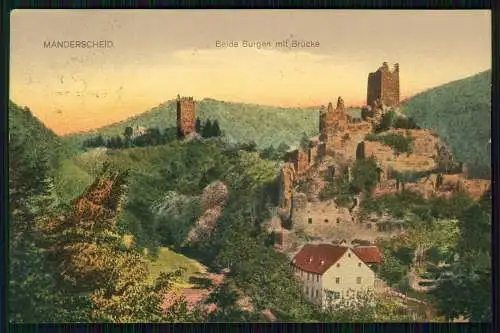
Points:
point(307, 276)
point(326, 220)
point(338, 220)
point(307, 291)
point(337, 280)
point(317, 278)
point(359, 264)
point(338, 265)
point(301, 273)
point(358, 280)
point(317, 293)
point(349, 255)
point(310, 220)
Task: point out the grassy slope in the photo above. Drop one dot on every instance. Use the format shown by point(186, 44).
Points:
point(168, 260)
point(460, 112)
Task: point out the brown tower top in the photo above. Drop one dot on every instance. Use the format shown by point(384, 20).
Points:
point(383, 86)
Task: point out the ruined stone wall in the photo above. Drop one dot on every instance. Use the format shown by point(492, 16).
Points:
point(300, 161)
point(186, 116)
point(383, 85)
point(313, 153)
point(320, 218)
point(287, 180)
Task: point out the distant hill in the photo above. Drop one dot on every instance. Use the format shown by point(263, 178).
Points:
point(266, 125)
point(460, 111)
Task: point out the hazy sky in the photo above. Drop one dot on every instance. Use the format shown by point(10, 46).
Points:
point(159, 54)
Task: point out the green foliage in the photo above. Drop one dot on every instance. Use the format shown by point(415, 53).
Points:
point(128, 132)
point(88, 258)
point(405, 122)
point(460, 112)
point(364, 307)
point(240, 122)
point(152, 137)
point(407, 203)
point(387, 122)
point(339, 189)
point(198, 127)
point(207, 129)
point(365, 175)
point(32, 292)
point(392, 270)
point(399, 143)
point(465, 287)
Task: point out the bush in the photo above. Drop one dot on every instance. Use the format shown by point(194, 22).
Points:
point(399, 143)
point(365, 175)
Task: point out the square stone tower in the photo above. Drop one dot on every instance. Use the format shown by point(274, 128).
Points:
point(186, 116)
point(383, 86)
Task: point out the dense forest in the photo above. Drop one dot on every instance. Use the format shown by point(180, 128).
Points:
point(460, 112)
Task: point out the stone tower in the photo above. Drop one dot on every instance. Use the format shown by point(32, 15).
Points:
point(332, 121)
point(383, 86)
point(186, 116)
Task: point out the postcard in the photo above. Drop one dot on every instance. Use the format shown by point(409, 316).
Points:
point(250, 166)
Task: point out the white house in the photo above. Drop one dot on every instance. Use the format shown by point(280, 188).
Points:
point(330, 272)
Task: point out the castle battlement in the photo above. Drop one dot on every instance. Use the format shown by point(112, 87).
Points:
point(185, 98)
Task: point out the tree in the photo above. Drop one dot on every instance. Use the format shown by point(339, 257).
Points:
point(365, 175)
point(465, 287)
point(386, 122)
point(89, 257)
point(129, 131)
point(207, 129)
point(198, 126)
point(216, 132)
point(33, 295)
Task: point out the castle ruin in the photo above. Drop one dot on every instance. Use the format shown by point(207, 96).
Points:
point(383, 86)
point(186, 116)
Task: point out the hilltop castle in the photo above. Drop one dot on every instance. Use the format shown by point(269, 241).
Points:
point(186, 116)
point(383, 86)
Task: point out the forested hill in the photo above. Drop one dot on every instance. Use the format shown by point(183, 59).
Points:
point(34, 136)
point(240, 122)
point(460, 111)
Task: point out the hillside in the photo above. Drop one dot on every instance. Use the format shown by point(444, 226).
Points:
point(460, 112)
point(32, 133)
point(37, 141)
point(266, 125)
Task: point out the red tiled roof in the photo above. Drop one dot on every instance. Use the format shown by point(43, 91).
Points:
point(368, 254)
point(318, 258)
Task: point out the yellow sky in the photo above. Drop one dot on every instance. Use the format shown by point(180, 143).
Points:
point(159, 54)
